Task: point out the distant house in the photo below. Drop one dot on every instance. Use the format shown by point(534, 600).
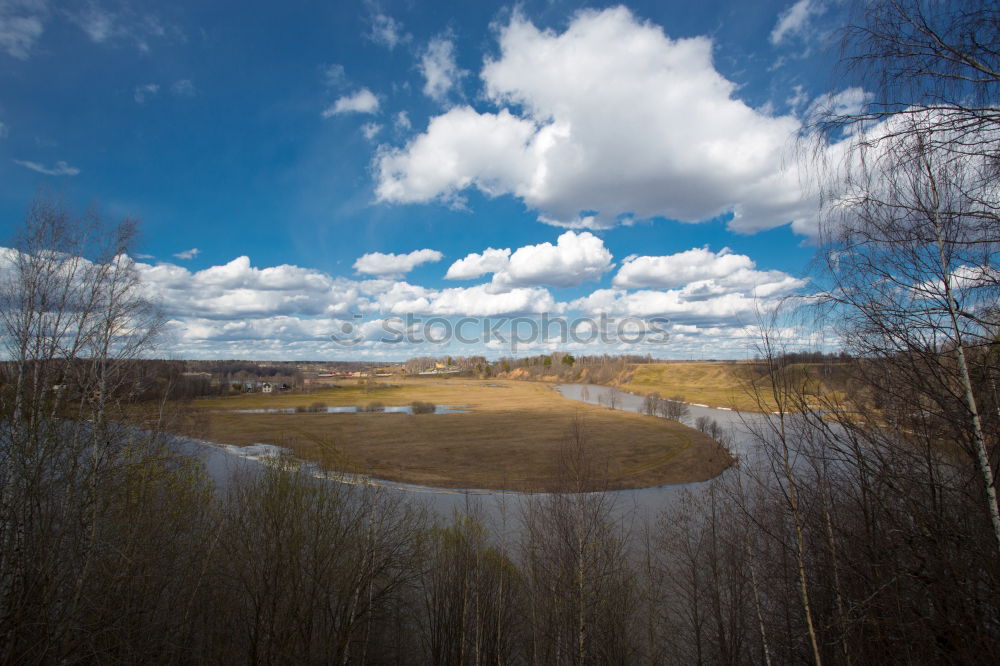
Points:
point(266, 388)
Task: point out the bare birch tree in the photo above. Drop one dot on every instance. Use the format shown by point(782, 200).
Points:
point(73, 320)
point(912, 215)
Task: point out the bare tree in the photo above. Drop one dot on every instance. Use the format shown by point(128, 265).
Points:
point(74, 320)
point(912, 216)
point(774, 435)
point(466, 592)
point(651, 404)
point(573, 553)
point(611, 397)
point(674, 408)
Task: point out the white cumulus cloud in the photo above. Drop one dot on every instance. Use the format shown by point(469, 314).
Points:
point(437, 64)
point(726, 309)
point(239, 289)
point(574, 259)
point(239, 310)
point(700, 273)
point(394, 265)
point(363, 101)
point(459, 149)
point(696, 285)
point(679, 269)
point(478, 264)
point(610, 120)
point(481, 301)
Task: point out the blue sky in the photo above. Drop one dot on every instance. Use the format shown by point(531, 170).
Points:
point(636, 160)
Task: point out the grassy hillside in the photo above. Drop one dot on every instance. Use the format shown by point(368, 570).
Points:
point(709, 383)
point(725, 383)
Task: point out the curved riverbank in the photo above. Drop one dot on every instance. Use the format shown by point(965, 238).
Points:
point(510, 436)
point(217, 454)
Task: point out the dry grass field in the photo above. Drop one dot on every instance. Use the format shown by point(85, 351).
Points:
point(510, 437)
point(716, 384)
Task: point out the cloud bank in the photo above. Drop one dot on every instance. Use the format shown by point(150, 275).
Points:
point(237, 305)
point(238, 310)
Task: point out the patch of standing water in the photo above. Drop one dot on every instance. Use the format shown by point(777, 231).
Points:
point(399, 409)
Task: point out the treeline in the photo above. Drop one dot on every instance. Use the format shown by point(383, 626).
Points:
point(269, 369)
point(133, 555)
point(142, 380)
point(475, 363)
point(561, 366)
point(150, 380)
point(815, 357)
point(235, 368)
